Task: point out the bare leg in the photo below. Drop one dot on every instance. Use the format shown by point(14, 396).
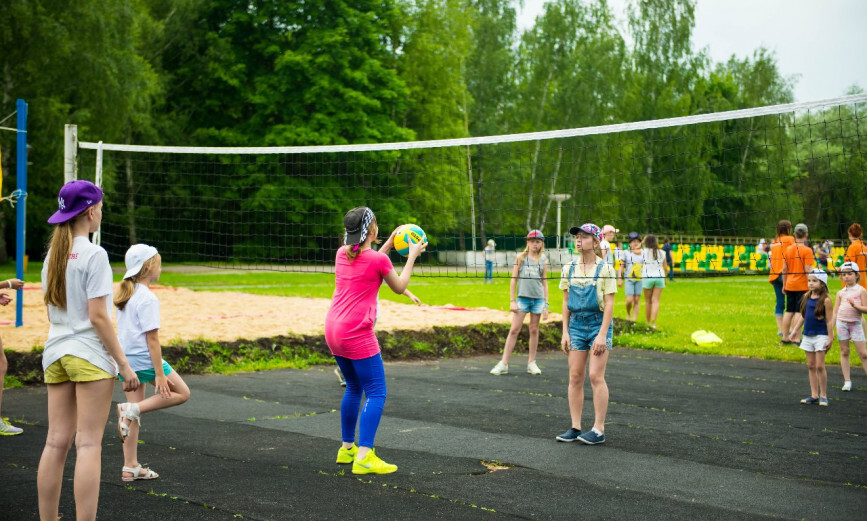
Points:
point(61, 428)
point(600, 390)
point(130, 444)
point(861, 348)
point(779, 319)
point(787, 325)
point(534, 336)
point(648, 305)
point(629, 306)
point(93, 402)
point(517, 324)
point(180, 393)
point(577, 371)
point(4, 366)
point(811, 372)
point(844, 360)
point(797, 322)
point(657, 295)
point(821, 374)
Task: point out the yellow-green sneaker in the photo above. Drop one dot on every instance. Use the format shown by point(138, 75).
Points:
point(371, 464)
point(345, 455)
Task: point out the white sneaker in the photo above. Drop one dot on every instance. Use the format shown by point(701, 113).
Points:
point(500, 368)
point(9, 430)
point(532, 368)
point(847, 385)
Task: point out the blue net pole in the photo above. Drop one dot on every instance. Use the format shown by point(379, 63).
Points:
point(20, 227)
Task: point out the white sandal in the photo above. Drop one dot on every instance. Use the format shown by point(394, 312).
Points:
point(136, 473)
point(126, 412)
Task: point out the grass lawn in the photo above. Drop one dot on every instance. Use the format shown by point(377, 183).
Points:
point(738, 309)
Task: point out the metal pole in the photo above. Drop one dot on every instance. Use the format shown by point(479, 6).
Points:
point(70, 153)
point(97, 236)
point(21, 214)
point(559, 204)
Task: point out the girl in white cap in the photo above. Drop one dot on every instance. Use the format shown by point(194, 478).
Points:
point(851, 303)
point(138, 325)
point(818, 334)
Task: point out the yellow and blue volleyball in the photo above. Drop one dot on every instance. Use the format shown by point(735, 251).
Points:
point(406, 235)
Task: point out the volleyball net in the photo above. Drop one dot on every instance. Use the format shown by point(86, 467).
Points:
point(713, 183)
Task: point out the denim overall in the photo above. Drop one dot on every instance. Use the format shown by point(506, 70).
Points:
point(585, 318)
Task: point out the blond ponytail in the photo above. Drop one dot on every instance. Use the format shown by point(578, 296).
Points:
point(59, 248)
point(127, 288)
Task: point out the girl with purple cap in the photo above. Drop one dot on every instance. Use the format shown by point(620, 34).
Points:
point(138, 327)
point(82, 354)
point(359, 272)
point(589, 284)
point(530, 276)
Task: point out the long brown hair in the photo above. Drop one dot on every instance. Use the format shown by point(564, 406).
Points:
point(127, 286)
point(372, 231)
point(820, 306)
point(652, 243)
point(59, 248)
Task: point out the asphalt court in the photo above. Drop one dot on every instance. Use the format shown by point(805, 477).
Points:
point(689, 437)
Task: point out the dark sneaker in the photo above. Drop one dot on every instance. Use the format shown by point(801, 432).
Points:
point(823, 402)
point(569, 435)
point(591, 438)
point(810, 401)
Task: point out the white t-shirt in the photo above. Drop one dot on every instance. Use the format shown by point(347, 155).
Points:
point(140, 315)
point(652, 265)
point(607, 255)
point(88, 276)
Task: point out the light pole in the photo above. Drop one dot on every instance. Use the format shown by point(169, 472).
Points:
point(558, 198)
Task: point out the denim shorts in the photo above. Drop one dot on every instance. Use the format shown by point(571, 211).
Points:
point(531, 305)
point(633, 287)
point(147, 376)
point(583, 328)
point(650, 283)
point(781, 298)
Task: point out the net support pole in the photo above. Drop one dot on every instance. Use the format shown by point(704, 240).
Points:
point(70, 153)
point(472, 201)
point(21, 209)
point(97, 236)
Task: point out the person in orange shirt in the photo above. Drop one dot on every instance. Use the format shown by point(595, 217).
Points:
point(783, 240)
point(797, 260)
point(857, 252)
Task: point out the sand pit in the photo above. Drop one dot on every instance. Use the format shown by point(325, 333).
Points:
point(188, 315)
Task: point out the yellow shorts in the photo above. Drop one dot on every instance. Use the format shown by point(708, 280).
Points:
point(72, 368)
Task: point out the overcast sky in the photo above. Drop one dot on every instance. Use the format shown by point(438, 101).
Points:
point(823, 42)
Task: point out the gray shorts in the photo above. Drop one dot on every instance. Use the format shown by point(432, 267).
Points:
point(633, 287)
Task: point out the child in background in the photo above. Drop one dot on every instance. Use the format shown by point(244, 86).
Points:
point(5, 428)
point(851, 303)
point(138, 325)
point(530, 274)
point(818, 335)
point(652, 277)
point(82, 354)
point(630, 276)
point(798, 260)
point(588, 284)
point(490, 257)
point(358, 274)
point(609, 250)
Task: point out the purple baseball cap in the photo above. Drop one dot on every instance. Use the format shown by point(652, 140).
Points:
point(74, 198)
point(589, 229)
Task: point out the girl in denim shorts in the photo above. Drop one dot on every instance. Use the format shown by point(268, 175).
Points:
point(630, 276)
point(588, 285)
point(529, 276)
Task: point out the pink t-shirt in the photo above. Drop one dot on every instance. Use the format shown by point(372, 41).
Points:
point(349, 322)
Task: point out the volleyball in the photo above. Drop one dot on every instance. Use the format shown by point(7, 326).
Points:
point(406, 235)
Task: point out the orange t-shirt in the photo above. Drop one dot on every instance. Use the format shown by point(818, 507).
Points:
point(797, 258)
point(778, 247)
point(857, 253)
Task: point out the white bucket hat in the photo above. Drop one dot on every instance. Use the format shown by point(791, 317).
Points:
point(136, 256)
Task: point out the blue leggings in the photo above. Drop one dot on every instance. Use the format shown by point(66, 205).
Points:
point(368, 376)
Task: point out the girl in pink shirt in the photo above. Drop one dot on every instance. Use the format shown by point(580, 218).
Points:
point(358, 273)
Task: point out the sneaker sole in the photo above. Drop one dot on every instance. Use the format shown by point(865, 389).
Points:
point(585, 442)
point(565, 440)
point(368, 471)
point(11, 433)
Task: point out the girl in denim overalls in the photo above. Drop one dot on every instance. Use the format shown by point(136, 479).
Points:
point(588, 285)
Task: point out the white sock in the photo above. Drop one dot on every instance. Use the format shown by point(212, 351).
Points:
point(596, 431)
